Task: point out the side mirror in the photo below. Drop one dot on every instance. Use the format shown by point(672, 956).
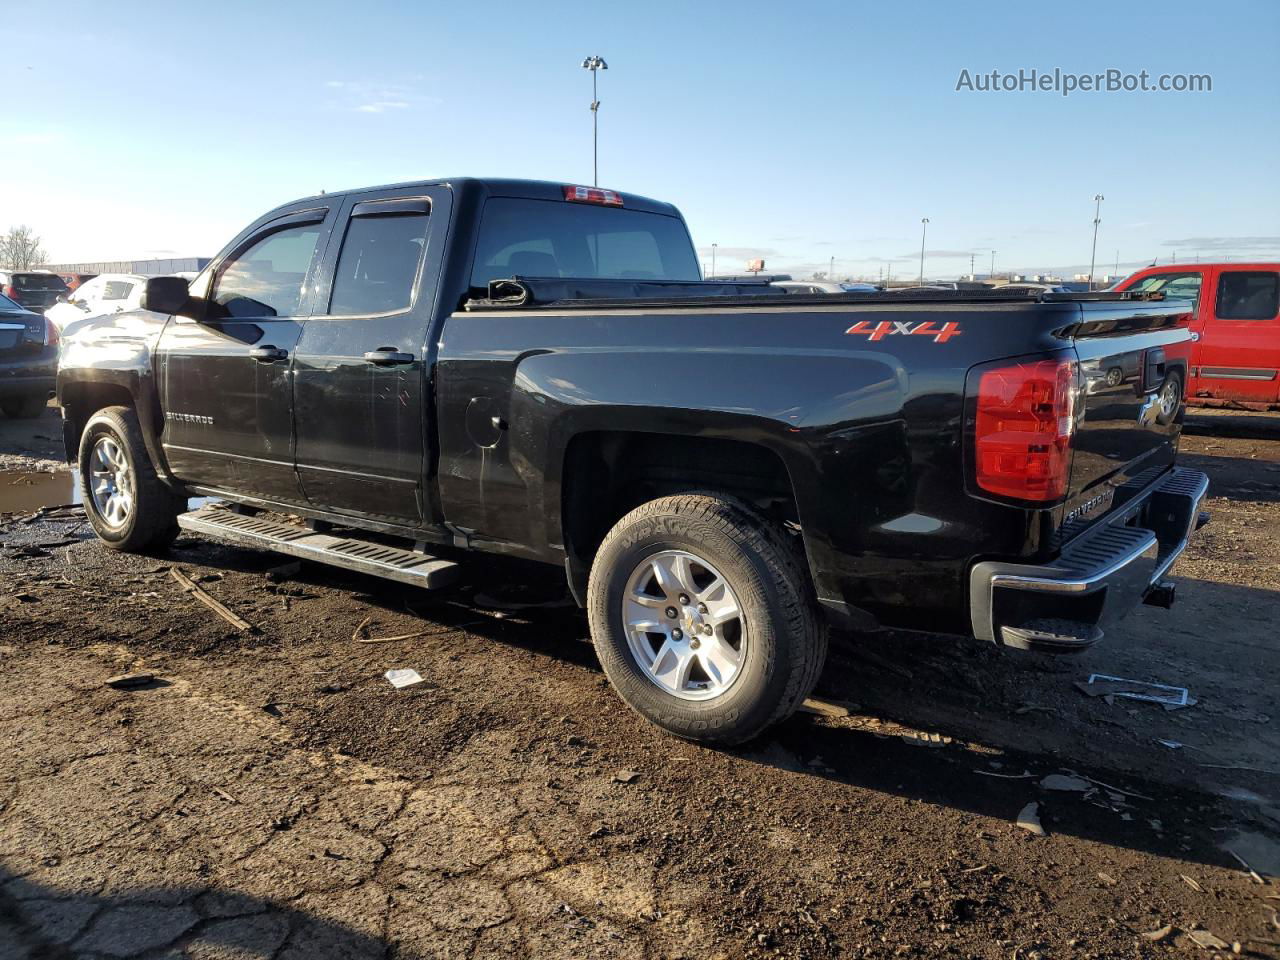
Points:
point(62, 298)
point(165, 295)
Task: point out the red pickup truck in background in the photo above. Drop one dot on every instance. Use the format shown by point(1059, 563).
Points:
point(1235, 360)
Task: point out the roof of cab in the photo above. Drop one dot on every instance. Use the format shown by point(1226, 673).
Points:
point(503, 187)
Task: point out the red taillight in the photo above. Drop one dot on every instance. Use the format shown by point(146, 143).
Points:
point(609, 198)
point(1022, 435)
point(10, 292)
point(51, 334)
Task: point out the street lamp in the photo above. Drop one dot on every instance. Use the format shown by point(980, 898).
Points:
point(1097, 219)
point(992, 274)
point(924, 228)
point(593, 64)
point(713, 258)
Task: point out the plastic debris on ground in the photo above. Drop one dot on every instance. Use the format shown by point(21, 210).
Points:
point(1103, 685)
point(403, 678)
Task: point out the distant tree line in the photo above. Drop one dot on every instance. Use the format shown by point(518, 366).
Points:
point(20, 249)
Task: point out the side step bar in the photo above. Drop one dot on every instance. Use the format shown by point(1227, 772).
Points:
point(363, 556)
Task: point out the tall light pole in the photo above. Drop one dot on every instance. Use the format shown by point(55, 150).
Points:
point(593, 64)
point(972, 275)
point(1097, 219)
point(831, 270)
point(924, 228)
point(713, 258)
point(992, 274)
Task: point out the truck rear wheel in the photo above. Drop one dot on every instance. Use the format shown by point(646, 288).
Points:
point(128, 506)
point(704, 619)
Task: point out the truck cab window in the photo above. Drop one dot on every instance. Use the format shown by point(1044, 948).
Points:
point(549, 238)
point(378, 264)
point(266, 279)
point(1181, 286)
point(1248, 295)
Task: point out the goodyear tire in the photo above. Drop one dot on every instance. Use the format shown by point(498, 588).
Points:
point(129, 507)
point(704, 619)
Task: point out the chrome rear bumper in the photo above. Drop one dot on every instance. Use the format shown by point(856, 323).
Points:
point(1099, 577)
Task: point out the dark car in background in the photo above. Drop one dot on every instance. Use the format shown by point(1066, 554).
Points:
point(34, 289)
point(28, 360)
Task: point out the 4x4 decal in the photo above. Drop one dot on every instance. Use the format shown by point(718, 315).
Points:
point(925, 328)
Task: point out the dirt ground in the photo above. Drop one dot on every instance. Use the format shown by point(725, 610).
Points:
point(271, 795)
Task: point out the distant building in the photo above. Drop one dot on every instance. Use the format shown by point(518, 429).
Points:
point(146, 268)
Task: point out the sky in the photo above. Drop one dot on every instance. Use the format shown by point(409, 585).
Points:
point(794, 133)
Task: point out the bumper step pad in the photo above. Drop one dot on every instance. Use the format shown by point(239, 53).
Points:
point(350, 553)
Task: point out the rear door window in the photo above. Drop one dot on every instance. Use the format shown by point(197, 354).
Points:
point(548, 238)
point(1248, 295)
point(379, 260)
point(117, 290)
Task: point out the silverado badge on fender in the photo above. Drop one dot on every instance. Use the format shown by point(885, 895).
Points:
point(928, 328)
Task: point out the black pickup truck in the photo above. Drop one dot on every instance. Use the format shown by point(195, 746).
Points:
point(723, 471)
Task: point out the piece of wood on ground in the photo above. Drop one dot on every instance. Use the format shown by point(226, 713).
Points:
point(195, 590)
point(823, 708)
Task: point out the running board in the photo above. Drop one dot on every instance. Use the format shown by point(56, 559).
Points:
point(363, 556)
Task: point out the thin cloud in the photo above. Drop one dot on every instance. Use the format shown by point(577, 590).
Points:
point(382, 106)
point(943, 254)
point(746, 253)
point(372, 96)
point(1225, 243)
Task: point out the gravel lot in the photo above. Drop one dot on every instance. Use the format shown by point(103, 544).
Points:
point(271, 795)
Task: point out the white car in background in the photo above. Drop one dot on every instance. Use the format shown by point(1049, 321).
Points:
point(824, 286)
point(105, 293)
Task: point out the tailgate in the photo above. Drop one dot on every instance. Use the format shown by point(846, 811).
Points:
point(1133, 363)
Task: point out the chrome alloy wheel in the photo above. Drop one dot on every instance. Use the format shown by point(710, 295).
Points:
point(1169, 398)
point(684, 625)
point(111, 482)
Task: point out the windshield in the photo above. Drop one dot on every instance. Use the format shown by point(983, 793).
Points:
point(38, 281)
point(549, 238)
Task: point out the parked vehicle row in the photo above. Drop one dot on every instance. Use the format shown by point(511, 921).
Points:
point(722, 471)
point(28, 359)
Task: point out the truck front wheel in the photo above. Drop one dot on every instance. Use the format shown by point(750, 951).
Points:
point(704, 619)
point(128, 506)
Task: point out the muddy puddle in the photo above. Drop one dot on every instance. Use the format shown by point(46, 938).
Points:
point(23, 492)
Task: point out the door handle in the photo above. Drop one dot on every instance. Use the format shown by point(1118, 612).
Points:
point(388, 357)
point(268, 354)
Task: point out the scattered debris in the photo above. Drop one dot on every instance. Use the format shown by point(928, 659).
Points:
point(626, 776)
point(131, 681)
point(402, 636)
point(1100, 684)
point(1206, 940)
point(1029, 819)
point(284, 571)
point(823, 708)
point(359, 631)
point(1060, 781)
point(224, 795)
point(403, 678)
point(1257, 878)
point(1191, 883)
point(190, 587)
point(1024, 775)
point(1158, 935)
point(922, 739)
point(1107, 879)
point(1171, 744)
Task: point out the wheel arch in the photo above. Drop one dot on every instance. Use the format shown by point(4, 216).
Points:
point(84, 393)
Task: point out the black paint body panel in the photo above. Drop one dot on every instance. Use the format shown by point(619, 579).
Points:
point(469, 441)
